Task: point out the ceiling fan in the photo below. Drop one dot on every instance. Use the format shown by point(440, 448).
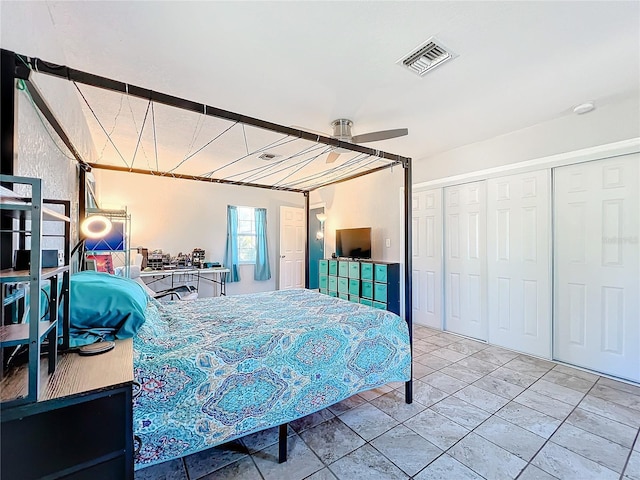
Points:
point(342, 131)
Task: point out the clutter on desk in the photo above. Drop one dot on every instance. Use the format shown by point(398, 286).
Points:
point(159, 260)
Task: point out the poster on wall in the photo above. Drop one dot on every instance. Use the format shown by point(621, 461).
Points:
point(102, 262)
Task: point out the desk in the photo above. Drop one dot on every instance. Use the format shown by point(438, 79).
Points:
point(82, 424)
point(218, 277)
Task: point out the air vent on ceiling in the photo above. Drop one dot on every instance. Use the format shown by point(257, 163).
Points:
point(268, 156)
point(426, 57)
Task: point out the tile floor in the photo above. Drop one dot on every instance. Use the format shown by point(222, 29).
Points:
point(479, 411)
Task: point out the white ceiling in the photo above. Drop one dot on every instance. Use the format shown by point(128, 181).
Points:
point(308, 63)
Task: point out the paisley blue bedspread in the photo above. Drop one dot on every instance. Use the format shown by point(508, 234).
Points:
point(216, 369)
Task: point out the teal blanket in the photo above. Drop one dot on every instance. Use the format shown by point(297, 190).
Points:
point(104, 307)
point(216, 369)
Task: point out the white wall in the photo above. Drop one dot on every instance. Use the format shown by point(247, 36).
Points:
point(610, 123)
point(39, 151)
point(179, 215)
point(374, 201)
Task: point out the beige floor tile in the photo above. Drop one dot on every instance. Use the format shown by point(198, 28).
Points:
point(444, 382)
point(486, 458)
point(629, 400)
point(544, 404)
point(406, 449)
point(593, 447)
point(426, 394)
point(517, 378)
point(499, 387)
point(331, 440)
point(208, 461)
point(368, 421)
point(435, 428)
point(461, 412)
point(569, 381)
point(496, 355)
point(512, 438)
point(243, 469)
point(447, 468)
point(393, 404)
point(605, 427)
point(477, 365)
point(171, 470)
point(611, 410)
point(301, 461)
point(481, 398)
point(632, 472)
point(366, 463)
point(529, 419)
point(553, 390)
point(564, 464)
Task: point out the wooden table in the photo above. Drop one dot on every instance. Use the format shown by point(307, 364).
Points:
point(80, 427)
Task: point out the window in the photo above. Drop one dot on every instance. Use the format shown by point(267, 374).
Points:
point(246, 235)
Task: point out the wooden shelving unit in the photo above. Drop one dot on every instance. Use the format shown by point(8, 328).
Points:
point(31, 330)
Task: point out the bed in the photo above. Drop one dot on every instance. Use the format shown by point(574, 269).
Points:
point(216, 369)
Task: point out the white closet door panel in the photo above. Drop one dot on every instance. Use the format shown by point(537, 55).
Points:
point(519, 265)
point(465, 259)
point(597, 266)
point(427, 257)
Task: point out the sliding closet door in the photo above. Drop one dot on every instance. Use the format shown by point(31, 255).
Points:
point(519, 262)
point(465, 259)
point(597, 266)
point(427, 257)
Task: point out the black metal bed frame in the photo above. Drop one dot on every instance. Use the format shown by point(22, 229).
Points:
point(16, 66)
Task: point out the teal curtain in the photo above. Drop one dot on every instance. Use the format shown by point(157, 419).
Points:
point(262, 270)
point(231, 253)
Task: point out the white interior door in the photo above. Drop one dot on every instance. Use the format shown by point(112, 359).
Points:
point(292, 248)
point(427, 257)
point(597, 265)
point(519, 262)
point(465, 259)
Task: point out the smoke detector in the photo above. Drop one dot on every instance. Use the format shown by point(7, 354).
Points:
point(426, 57)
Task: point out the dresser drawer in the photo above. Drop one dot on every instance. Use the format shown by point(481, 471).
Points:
point(354, 298)
point(343, 268)
point(367, 289)
point(333, 294)
point(333, 284)
point(354, 269)
point(354, 287)
point(379, 305)
point(324, 291)
point(366, 271)
point(324, 282)
point(366, 301)
point(333, 267)
point(344, 296)
point(343, 285)
point(381, 273)
point(380, 292)
point(323, 267)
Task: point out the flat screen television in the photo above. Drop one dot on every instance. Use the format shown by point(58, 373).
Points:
point(353, 242)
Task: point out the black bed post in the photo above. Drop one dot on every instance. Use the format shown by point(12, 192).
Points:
point(306, 247)
point(282, 442)
point(408, 255)
point(8, 122)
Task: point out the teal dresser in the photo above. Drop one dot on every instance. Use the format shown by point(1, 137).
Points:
point(376, 284)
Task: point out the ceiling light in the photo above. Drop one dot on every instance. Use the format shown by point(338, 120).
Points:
point(584, 108)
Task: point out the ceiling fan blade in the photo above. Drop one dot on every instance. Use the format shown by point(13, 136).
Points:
point(381, 135)
point(332, 157)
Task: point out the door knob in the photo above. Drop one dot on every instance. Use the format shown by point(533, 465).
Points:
point(282, 256)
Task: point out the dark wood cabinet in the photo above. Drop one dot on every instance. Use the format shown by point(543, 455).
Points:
point(80, 428)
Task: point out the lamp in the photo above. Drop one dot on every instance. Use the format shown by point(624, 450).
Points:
point(95, 227)
point(322, 217)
